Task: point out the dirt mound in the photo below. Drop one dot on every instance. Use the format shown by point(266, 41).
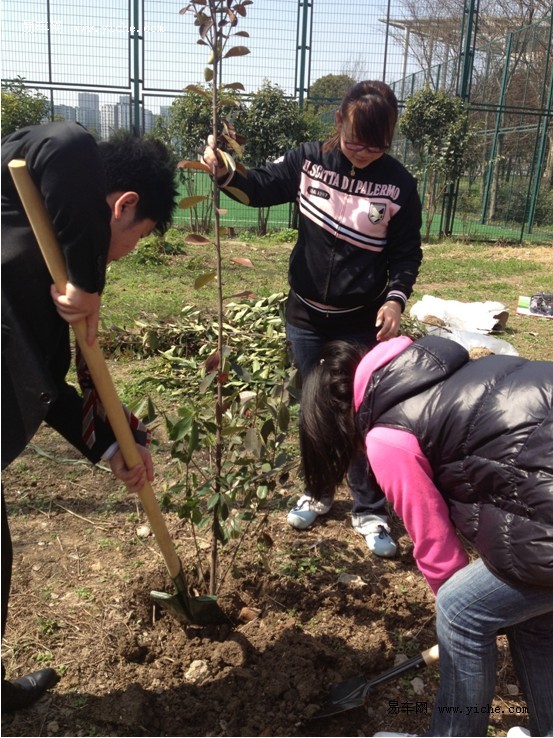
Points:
point(81, 604)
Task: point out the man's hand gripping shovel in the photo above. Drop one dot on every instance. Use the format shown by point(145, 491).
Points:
point(202, 610)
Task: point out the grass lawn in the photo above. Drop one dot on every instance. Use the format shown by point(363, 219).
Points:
point(80, 600)
point(462, 271)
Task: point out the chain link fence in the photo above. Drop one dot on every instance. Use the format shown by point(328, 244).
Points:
point(120, 64)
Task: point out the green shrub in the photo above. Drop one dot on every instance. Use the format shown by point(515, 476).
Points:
point(513, 201)
point(21, 107)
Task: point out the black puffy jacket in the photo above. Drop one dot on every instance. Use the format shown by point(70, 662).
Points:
point(486, 427)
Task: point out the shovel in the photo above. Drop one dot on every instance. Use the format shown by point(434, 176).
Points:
point(353, 692)
point(202, 610)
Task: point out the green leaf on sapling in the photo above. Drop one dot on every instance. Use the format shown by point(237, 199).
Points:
point(204, 279)
point(199, 91)
point(236, 51)
point(196, 238)
point(194, 165)
point(238, 194)
point(190, 202)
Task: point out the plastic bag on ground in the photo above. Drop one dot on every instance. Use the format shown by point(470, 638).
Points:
point(473, 341)
point(479, 317)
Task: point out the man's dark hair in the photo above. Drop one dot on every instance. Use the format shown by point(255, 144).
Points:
point(145, 166)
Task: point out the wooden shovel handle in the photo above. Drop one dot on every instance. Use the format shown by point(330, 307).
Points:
point(431, 655)
point(41, 224)
point(426, 658)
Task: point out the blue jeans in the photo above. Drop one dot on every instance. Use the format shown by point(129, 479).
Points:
point(305, 349)
point(472, 606)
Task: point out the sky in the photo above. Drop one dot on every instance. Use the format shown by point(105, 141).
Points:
point(89, 44)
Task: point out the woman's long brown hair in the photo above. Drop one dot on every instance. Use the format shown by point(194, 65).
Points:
point(328, 437)
point(372, 109)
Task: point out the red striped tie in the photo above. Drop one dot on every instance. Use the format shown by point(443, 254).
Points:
point(92, 405)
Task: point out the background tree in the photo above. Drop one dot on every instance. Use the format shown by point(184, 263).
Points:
point(189, 118)
point(21, 107)
point(271, 124)
point(330, 88)
point(432, 33)
point(432, 28)
point(325, 95)
point(188, 121)
point(437, 126)
point(356, 69)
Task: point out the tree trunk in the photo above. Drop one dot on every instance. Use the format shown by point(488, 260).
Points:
point(548, 170)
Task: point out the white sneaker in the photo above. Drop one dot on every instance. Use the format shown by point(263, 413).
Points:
point(517, 732)
point(389, 733)
point(307, 510)
point(376, 532)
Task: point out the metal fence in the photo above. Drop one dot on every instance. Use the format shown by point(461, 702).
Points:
point(507, 193)
point(120, 63)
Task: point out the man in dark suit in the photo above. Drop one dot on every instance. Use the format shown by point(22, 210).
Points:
point(102, 199)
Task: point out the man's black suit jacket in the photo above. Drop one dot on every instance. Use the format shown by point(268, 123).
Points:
point(64, 163)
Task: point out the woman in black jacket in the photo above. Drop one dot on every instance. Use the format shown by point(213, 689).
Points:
point(356, 259)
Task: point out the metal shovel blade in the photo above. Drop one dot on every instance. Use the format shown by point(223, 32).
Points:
point(353, 692)
point(201, 610)
point(351, 689)
point(330, 709)
point(345, 696)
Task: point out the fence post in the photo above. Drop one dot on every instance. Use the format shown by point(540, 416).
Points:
point(466, 57)
point(385, 63)
point(466, 62)
point(498, 120)
point(302, 48)
point(542, 143)
point(136, 117)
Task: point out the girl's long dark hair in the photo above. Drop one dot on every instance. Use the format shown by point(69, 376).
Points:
point(328, 437)
point(372, 108)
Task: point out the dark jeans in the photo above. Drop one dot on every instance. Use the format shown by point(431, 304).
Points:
point(471, 607)
point(305, 348)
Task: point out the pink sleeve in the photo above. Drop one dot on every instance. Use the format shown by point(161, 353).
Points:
point(404, 474)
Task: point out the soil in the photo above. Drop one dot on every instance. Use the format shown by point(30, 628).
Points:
point(306, 611)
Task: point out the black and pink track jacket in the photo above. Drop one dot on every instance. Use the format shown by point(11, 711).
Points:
point(358, 235)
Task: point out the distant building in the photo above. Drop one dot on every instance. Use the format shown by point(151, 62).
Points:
point(88, 111)
point(109, 120)
point(164, 113)
point(124, 108)
point(149, 120)
point(102, 119)
point(65, 112)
